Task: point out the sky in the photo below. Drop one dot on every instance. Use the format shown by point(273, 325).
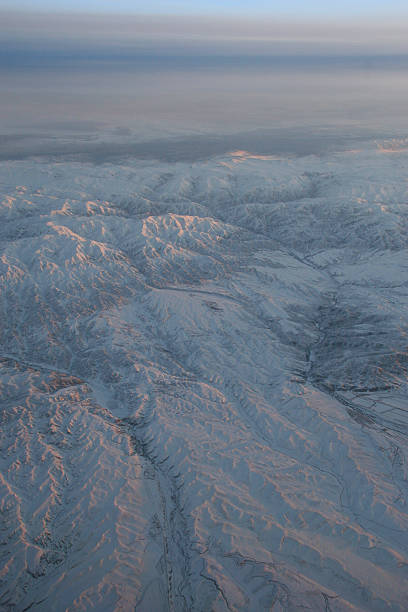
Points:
point(294, 8)
point(213, 33)
point(346, 27)
point(167, 66)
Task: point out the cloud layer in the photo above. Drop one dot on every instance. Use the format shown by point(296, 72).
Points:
point(208, 34)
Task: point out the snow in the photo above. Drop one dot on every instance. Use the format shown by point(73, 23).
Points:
point(203, 378)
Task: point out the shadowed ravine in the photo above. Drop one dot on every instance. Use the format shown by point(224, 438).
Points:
point(203, 382)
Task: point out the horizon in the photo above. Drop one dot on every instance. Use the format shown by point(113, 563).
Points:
point(184, 74)
point(331, 34)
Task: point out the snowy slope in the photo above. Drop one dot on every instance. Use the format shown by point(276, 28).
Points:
point(203, 377)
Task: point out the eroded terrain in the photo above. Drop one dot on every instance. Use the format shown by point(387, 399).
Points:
point(204, 383)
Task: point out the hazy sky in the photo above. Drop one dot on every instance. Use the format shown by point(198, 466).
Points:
point(346, 27)
point(297, 8)
point(214, 34)
point(162, 66)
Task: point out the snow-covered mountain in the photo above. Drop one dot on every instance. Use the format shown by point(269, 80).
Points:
point(204, 384)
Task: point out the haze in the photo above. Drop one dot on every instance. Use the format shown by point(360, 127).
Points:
point(141, 77)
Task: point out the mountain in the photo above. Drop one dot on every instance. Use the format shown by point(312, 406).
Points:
point(204, 383)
